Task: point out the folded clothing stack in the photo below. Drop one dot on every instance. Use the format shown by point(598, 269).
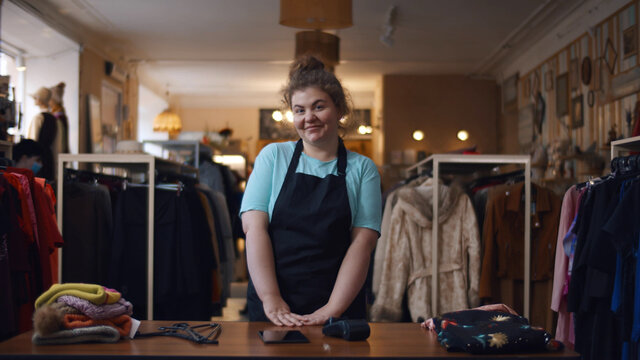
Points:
point(73, 313)
point(491, 332)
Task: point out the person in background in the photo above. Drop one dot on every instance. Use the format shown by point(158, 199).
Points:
point(44, 129)
point(311, 211)
point(27, 154)
point(57, 109)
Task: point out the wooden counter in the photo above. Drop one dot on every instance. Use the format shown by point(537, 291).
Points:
point(240, 340)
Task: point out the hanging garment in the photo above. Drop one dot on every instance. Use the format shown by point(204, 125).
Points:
point(407, 264)
point(503, 258)
point(87, 229)
point(182, 254)
point(310, 232)
point(216, 277)
point(570, 204)
point(383, 240)
point(223, 231)
point(599, 334)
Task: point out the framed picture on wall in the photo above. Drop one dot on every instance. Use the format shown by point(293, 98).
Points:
point(548, 80)
point(535, 87)
point(562, 95)
point(610, 56)
point(94, 115)
point(526, 125)
point(586, 70)
point(510, 92)
point(630, 41)
point(574, 74)
point(577, 118)
point(540, 110)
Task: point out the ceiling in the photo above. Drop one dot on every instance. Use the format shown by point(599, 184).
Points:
point(233, 53)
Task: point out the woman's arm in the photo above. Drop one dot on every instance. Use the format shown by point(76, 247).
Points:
point(351, 276)
point(261, 265)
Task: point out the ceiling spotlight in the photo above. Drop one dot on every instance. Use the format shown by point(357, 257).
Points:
point(276, 115)
point(418, 135)
point(289, 116)
point(463, 135)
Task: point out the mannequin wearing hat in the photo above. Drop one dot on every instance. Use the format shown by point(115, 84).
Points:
point(43, 129)
point(57, 109)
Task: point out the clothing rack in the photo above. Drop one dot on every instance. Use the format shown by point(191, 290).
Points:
point(133, 162)
point(628, 144)
point(461, 164)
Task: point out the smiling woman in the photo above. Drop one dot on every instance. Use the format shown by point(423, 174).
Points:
point(311, 212)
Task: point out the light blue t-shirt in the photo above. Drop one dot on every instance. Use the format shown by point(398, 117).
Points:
point(270, 169)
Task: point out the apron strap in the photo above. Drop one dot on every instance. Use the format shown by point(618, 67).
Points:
point(342, 159)
point(293, 164)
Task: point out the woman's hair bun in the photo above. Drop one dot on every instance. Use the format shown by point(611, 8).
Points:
point(61, 85)
point(306, 63)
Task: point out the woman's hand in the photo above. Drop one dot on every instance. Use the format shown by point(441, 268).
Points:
point(279, 313)
point(318, 317)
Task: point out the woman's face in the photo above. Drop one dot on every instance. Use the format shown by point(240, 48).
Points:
point(315, 116)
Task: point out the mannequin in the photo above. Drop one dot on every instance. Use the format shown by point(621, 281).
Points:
point(44, 130)
point(57, 109)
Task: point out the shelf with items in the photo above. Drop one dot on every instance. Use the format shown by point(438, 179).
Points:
point(464, 164)
point(628, 144)
point(182, 149)
point(134, 163)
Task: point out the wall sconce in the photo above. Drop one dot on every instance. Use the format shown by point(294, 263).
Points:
point(276, 115)
point(418, 135)
point(364, 129)
point(463, 135)
point(20, 65)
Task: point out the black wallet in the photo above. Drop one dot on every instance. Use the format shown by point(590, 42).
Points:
point(348, 329)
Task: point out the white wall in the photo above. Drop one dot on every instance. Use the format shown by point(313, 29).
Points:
point(49, 71)
point(149, 105)
point(582, 20)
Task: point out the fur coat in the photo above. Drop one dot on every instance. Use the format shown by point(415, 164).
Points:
point(406, 264)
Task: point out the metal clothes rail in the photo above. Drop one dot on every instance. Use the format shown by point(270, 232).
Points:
point(458, 163)
point(134, 162)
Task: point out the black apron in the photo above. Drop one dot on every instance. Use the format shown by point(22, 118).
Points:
point(310, 232)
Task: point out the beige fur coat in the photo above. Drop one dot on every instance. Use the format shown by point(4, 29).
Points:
point(406, 263)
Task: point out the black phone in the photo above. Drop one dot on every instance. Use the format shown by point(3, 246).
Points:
point(282, 336)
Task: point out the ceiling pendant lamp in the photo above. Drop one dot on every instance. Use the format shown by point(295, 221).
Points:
point(315, 16)
point(167, 121)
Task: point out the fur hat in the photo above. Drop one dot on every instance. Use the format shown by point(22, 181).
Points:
point(57, 92)
point(43, 95)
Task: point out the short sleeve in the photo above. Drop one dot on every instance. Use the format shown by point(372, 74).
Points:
point(258, 190)
point(369, 202)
